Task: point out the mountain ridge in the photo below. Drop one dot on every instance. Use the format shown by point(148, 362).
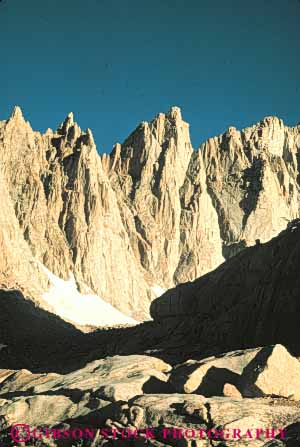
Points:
point(152, 214)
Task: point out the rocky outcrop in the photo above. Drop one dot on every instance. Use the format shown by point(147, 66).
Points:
point(259, 372)
point(19, 270)
point(204, 205)
point(86, 397)
point(113, 379)
point(192, 420)
point(209, 376)
point(269, 374)
point(123, 400)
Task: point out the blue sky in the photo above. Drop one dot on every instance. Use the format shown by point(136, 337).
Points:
point(116, 63)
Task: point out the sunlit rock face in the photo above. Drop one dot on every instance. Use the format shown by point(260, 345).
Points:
point(152, 214)
point(161, 186)
point(67, 214)
point(186, 211)
point(253, 179)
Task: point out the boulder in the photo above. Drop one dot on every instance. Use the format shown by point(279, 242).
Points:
point(36, 410)
point(113, 379)
point(194, 412)
point(208, 376)
point(272, 372)
point(230, 390)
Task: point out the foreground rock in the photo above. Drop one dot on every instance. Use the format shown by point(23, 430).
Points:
point(113, 379)
point(268, 371)
point(191, 413)
point(230, 390)
point(273, 371)
point(172, 419)
point(126, 394)
point(208, 376)
point(87, 397)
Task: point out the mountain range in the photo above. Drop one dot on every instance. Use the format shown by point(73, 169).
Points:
point(96, 238)
point(157, 286)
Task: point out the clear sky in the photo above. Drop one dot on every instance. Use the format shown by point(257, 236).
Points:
point(115, 63)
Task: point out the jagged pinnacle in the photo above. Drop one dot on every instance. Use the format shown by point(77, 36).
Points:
point(69, 120)
point(67, 123)
point(70, 117)
point(17, 113)
point(90, 136)
point(267, 120)
point(175, 113)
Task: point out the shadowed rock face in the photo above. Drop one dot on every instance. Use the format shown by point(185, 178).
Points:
point(251, 300)
point(152, 214)
point(34, 338)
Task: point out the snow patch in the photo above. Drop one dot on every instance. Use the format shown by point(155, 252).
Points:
point(157, 290)
point(68, 303)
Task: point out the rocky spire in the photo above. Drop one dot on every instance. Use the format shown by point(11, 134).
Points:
point(17, 115)
point(69, 128)
point(175, 113)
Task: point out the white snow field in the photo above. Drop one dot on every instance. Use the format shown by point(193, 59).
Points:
point(158, 290)
point(68, 303)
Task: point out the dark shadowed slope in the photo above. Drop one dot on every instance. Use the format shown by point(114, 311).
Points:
point(32, 337)
point(253, 299)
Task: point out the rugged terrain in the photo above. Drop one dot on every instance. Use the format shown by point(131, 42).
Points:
point(171, 373)
point(89, 241)
point(242, 397)
point(151, 215)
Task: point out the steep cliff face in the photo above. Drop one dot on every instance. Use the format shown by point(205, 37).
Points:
point(19, 270)
point(161, 185)
point(152, 214)
point(68, 213)
point(186, 211)
point(253, 180)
